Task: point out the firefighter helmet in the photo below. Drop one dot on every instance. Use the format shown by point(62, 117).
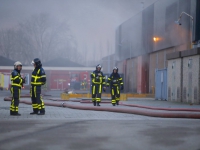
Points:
point(37, 62)
point(115, 68)
point(17, 63)
point(98, 66)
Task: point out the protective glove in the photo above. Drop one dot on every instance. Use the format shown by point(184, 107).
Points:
point(99, 74)
point(122, 87)
point(23, 80)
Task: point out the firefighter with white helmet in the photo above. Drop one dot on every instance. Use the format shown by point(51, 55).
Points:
point(16, 85)
point(38, 79)
point(98, 83)
point(116, 84)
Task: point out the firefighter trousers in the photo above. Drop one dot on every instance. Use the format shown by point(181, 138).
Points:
point(96, 92)
point(37, 101)
point(15, 91)
point(115, 94)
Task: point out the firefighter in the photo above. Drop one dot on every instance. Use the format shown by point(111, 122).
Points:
point(37, 80)
point(98, 83)
point(16, 84)
point(116, 84)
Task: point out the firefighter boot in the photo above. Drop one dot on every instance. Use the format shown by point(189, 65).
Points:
point(117, 102)
point(15, 114)
point(113, 104)
point(98, 104)
point(34, 112)
point(94, 103)
point(41, 113)
point(11, 112)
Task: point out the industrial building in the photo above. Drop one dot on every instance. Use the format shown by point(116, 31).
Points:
point(143, 42)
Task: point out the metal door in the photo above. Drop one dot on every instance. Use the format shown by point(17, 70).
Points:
point(161, 84)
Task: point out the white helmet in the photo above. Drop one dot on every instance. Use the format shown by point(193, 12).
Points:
point(98, 66)
point(115, 68)
point(17, 63)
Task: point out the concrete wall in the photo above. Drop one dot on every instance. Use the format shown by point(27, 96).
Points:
point(143, 74)
point(136, 74)
point(153, 61)
point(158, 60)
point(184, 76)
point(135, 36)
point(174, 71)
point(131, 75)
point(120, 66)
point(191, 76)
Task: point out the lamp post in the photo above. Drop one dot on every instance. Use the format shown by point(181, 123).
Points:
point(178, 22)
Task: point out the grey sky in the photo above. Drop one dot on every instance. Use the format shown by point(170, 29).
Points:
point(91, 21)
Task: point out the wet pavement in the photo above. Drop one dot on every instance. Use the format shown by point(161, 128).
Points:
point(64, 128)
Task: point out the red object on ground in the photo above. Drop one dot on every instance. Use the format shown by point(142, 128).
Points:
point(141, 111)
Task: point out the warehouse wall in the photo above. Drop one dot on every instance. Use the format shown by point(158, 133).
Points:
point(131, 75)
point(134, 38)
point(174, 80)
point(191, 68)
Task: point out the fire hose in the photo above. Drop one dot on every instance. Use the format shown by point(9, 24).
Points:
point(170, 113)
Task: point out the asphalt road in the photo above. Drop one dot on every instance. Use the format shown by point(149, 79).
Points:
point(100, 135)
point(69, 129)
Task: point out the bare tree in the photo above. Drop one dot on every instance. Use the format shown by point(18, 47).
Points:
point(37, 31)
point(24, 46)
point(8, 42)
point(39, 36)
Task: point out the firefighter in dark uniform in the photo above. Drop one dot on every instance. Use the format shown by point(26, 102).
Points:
point(116, 84)
point(37, 80)
point(98, 83)
point(16, 84)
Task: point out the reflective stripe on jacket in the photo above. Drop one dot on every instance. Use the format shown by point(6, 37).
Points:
point(38, 77)
point(16, 79)
point(98, 78)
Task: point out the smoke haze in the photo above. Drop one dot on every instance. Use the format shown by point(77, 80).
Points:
point(92, 22)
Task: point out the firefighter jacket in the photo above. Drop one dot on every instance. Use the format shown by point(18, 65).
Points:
point(98, 78)
point(16, 79)
point(38, 77)
point(115, 80)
